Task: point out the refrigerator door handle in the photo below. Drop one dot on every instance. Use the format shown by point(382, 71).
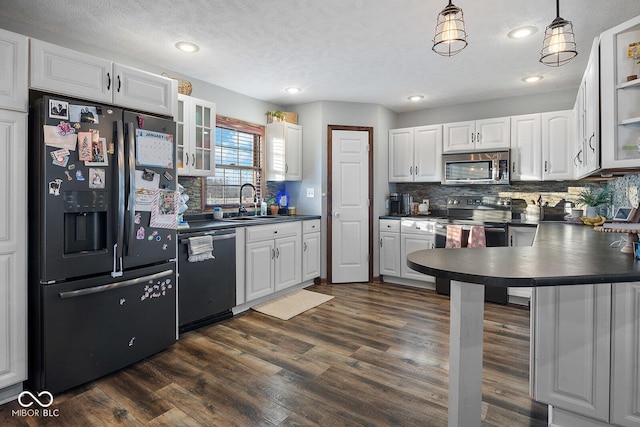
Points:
point(117, 250)
point(110, 286)
point(132, 187)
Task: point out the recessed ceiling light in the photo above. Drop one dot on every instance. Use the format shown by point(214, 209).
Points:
point(187, 47)
point(522, 32)
point(415, 98)
point(532, 79)
point(293, 90)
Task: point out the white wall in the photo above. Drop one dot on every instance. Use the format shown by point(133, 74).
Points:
point(315, 119)
point(502, 107)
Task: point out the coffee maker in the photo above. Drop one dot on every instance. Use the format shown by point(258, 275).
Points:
point(400, 204)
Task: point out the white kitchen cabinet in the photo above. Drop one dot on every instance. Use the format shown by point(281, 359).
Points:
point(273, 258)
point(415, 154)
point(521, 236)
point(67, 72)
point(311, 249)
point(625, 356)
point(572, 349)
point(390, 247)
point(526, 148)
point(284, 152)
point(587, 117)
point(260, 269)
point(13, 253)
point(485, 135)
point(558, 140)
point(195, 136)
point(13, 71)
point(620, 116)
point(415, 235)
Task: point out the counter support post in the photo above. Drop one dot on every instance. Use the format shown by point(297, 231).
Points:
point(465, 354)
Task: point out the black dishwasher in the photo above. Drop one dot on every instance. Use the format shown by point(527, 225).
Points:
point(206, 289)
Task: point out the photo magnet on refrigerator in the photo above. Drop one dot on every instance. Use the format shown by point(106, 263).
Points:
point(54, 187)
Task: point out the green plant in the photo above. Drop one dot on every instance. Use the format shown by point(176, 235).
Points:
point(590, 197)
point(275, 114)
point(271, 201)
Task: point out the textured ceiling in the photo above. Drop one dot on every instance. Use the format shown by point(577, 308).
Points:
point(371, 51)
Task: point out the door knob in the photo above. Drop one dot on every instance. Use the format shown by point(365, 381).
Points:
point(336, 214)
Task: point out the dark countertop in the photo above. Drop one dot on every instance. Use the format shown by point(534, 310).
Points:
point(562, 254)
point(205, 222)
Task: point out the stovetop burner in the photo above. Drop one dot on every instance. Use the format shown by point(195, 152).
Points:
point(478, 210)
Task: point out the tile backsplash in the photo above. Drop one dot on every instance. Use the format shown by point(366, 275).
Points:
point(552, 192)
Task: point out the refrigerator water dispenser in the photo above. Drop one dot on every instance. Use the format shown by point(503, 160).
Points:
point(85, 222)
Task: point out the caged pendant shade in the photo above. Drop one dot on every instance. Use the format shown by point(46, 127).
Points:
point(559, 42)
point(451, 36)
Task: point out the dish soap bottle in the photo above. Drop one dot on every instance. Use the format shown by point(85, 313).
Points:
point(263, 208)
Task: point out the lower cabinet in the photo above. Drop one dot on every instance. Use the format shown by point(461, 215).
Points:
point(390, 247)
point(521, 236)
point(400, 237)
point(311, 244)
point(273, 258)
point(586, 346)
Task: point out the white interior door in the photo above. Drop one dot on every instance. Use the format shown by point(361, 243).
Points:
point(350, 206)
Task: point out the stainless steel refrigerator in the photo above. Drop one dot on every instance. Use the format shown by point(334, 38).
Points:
point(102, 240)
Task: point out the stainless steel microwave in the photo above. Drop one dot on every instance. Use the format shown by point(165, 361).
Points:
point(486, 167)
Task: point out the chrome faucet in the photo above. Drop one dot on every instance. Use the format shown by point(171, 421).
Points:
point(242, 210)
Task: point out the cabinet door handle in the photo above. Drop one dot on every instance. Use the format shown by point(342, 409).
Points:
point(193, 160)
point(304, 245)
point(513, 167)
point(478, 137)
point(381, 242)
point(591, 146)
point(511, 240)
point(119, 83)
point(410, 170)
point(273, 253)
point(286, 168)
point(277, 252)
point(473, 137)
point(546, 166)
point(416, 171)
point(108, 81)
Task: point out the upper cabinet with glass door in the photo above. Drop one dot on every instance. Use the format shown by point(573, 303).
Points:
point(195, 136)
point(620, 95)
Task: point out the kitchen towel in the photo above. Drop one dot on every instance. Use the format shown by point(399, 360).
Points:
point(477, 237)
point(454, 237)
point(200, 248)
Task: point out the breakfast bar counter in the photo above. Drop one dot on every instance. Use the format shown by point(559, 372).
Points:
point(562, 254)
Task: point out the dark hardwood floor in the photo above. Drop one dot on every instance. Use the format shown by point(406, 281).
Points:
point(375, 355)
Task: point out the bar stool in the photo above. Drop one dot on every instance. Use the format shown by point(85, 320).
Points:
point(477, 237)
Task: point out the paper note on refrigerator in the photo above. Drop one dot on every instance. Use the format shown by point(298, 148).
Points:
point(55, 138)
point(154, 149)
point(145, 190)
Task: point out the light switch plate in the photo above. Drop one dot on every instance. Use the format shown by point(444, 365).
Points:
point(310, 192)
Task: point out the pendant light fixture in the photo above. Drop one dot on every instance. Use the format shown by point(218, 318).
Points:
point(451, 36)
point(559, 42)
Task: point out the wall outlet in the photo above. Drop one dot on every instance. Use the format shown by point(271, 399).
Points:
point(310, 192)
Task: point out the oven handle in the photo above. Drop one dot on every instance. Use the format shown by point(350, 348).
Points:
point(468, 227)
point(495, 229)
point(123, 284)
